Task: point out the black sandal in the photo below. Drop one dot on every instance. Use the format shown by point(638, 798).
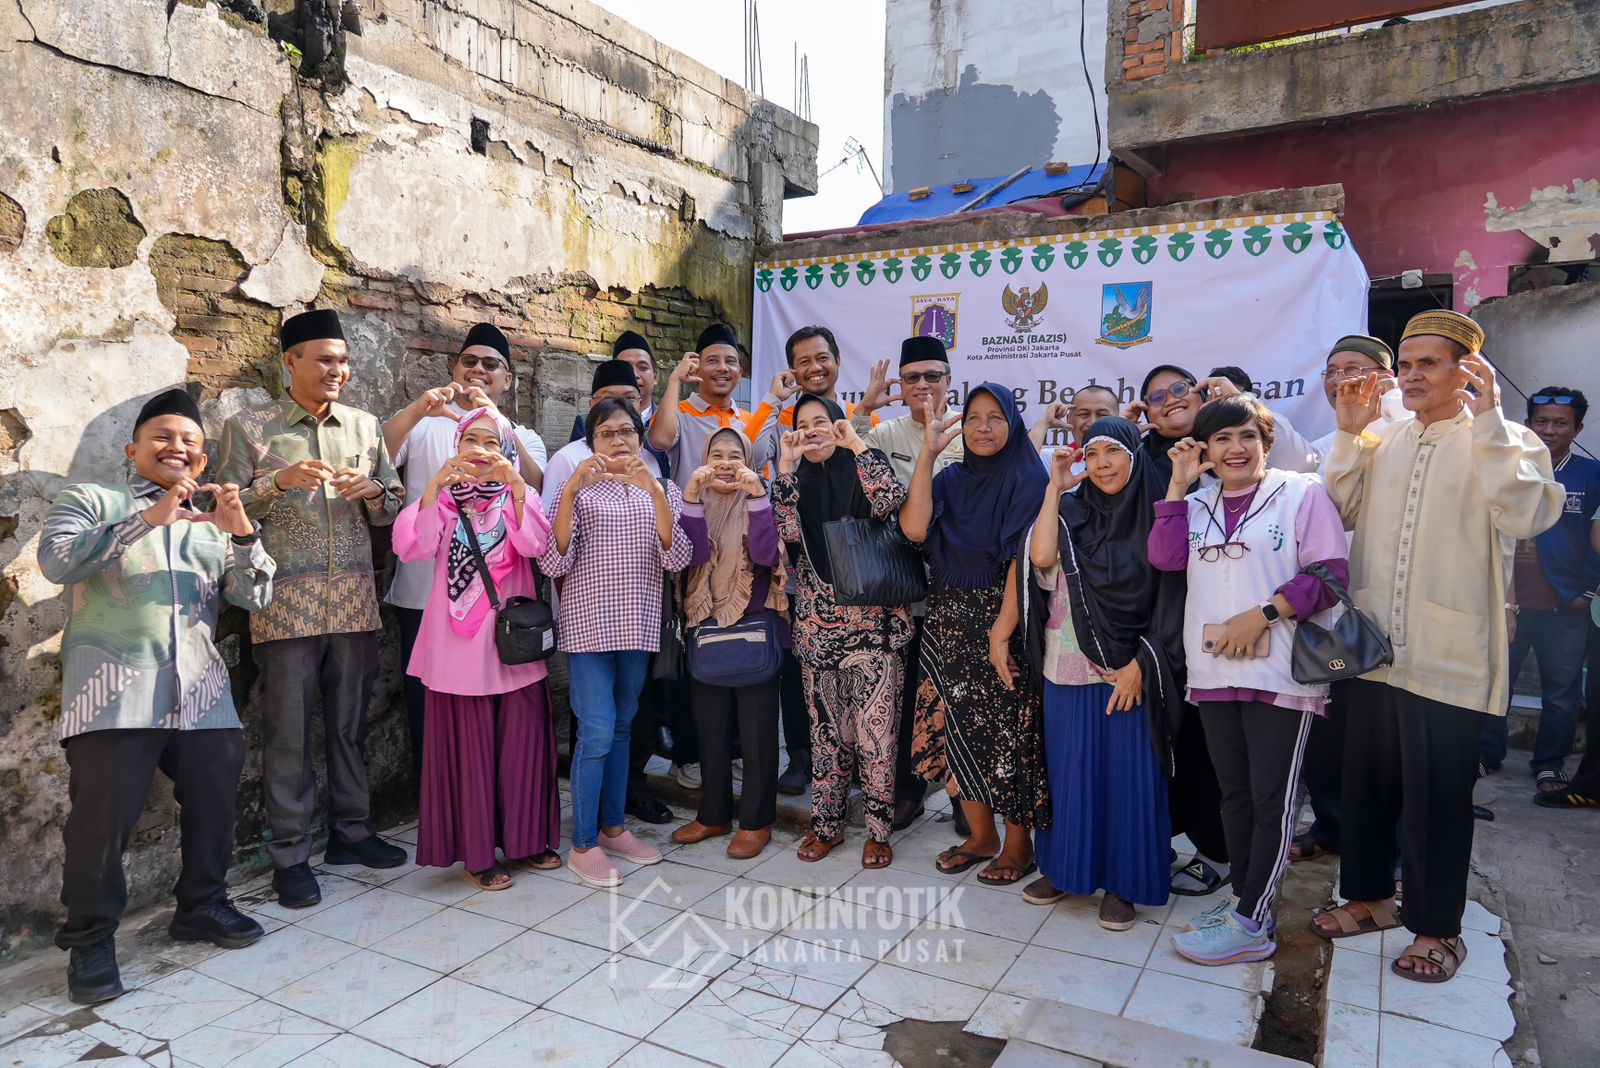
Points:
point(549, 860)
point(485, 880)
point(1018, 874)
point(1210, 879)
point(968, 860)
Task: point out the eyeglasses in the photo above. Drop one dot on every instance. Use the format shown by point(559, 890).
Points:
point(1176, 391)
point(1551, 398)
point(1233, 550)
point(1339, 374)
point(912, 378)
point(490, 363)
point(623, 433)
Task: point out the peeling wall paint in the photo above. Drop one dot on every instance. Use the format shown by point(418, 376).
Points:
point(1417, 183)
point(978, 90)
point(212, 190)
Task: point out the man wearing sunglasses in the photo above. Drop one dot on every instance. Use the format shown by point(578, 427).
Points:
point(1553, 582)
point(421, 437)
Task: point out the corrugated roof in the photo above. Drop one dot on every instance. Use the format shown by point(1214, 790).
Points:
point(943, 200)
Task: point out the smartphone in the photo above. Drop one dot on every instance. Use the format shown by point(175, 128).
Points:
point(1211, 638)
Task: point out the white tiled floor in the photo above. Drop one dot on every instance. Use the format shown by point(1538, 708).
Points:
point(1377, 1019)
point(775, 962)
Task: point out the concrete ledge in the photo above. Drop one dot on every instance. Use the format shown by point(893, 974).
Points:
point(1084, 1036)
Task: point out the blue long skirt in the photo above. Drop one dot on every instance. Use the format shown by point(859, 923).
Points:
point(1111, 830)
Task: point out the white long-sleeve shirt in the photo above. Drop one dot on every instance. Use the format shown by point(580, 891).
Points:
point(1437, 511)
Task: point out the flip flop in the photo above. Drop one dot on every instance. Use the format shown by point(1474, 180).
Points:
point(1210, 879)
point(1021, 873)
point(956, 869)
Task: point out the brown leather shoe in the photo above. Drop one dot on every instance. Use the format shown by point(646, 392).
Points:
point(749, 844)
point(695, 831)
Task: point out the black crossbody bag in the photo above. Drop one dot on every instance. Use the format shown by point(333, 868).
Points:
point(524, 627)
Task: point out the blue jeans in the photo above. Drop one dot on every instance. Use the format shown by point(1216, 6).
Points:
point(1559, 639)
point(605, 696)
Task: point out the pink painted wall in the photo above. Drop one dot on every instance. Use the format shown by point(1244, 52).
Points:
point(1416, 183)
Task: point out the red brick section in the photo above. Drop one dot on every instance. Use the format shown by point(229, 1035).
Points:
point(1152, 40)
point(232, 340)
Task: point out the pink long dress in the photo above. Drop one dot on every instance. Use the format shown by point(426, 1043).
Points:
point(489, 748)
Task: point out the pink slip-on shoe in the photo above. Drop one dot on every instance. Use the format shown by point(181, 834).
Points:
point(594, 868)
point(629, 848)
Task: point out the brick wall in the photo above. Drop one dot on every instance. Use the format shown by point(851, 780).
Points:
point(1152, 38)
point(232, 340)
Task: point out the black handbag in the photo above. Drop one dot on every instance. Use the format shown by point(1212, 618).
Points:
point(1353, 646)
point(747, 653)
point(668, 663)
point(873, 566)
point(524, 627)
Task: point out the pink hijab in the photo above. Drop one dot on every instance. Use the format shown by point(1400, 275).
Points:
point(477, 510)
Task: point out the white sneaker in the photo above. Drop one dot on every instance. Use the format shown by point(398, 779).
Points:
point(738, 769)
point(688, 775)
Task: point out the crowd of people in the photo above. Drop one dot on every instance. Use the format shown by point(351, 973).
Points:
point(1086, 631)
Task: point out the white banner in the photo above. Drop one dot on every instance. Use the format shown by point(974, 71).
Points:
point(1046, 316)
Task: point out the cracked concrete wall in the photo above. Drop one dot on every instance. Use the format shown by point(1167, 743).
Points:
point(171, 186)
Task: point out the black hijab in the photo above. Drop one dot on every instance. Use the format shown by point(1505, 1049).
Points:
point(828, 490)
point(1122, 608)
point(984, 504)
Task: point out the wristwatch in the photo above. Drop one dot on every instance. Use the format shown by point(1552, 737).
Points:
point(1270, 610)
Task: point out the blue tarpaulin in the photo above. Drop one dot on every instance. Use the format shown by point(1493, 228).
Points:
point(899, 207)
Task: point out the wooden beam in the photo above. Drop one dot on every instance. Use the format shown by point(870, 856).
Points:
point(1230, 23)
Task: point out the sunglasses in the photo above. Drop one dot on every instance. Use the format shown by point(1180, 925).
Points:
point(1176, 391)
point(1233, 550)
point(626, 433)
point(1551, 398)
point(913, 378)
point(490, 363)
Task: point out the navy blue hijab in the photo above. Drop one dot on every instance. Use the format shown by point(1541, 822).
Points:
point(983, 505)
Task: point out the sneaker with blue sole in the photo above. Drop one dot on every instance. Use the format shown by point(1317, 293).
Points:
point(1225, 942)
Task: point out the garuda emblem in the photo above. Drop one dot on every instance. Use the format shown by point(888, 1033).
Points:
point(1025, 309)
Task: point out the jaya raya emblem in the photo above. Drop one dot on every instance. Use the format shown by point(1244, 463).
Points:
point(935, 316)
point(1125, 314)
point(1025, 309)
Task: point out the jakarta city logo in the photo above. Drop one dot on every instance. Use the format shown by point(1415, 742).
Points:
point(1125, 314)
point(934, 315)
point(1025, 310)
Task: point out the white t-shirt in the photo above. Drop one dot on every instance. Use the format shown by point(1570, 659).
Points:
point(431, 442)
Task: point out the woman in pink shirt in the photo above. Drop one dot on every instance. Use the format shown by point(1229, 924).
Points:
point(489, 747)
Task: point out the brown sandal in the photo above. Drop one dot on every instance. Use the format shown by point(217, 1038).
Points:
point(817, 846)
point(1378, 918)
point(1452, 957)
point(876, 854)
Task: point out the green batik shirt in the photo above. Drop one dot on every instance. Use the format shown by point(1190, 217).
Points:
point(322, 543)
point(142, 610)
